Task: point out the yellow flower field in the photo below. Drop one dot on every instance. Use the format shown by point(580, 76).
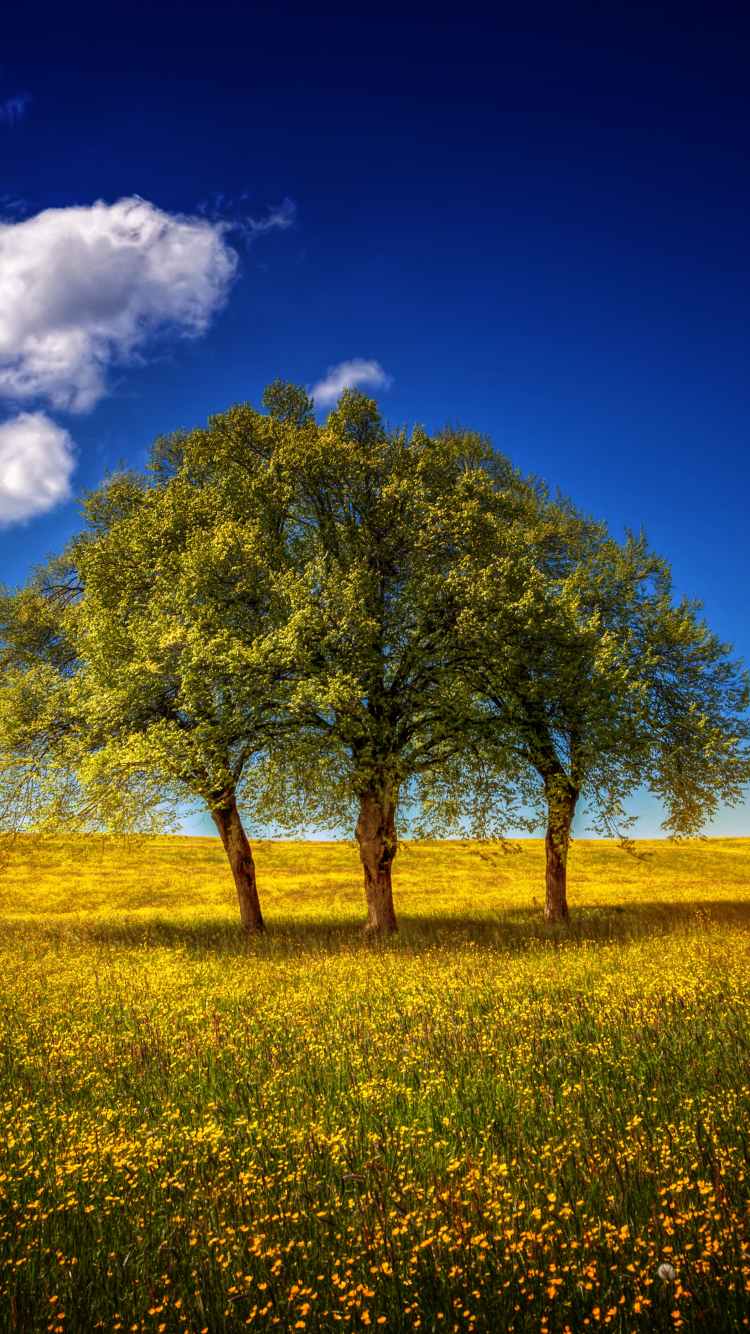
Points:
point(482, 1125)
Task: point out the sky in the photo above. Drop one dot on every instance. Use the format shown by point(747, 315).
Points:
point(531, 219)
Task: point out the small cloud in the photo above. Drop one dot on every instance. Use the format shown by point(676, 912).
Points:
point(36, 462)
point(82, 288)
point(346, 375)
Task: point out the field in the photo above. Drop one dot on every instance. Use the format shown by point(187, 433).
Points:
point(484, 1124)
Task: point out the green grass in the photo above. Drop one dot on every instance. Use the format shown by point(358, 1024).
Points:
point(481, 1125)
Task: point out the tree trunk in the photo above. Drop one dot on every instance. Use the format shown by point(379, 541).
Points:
point(226, 817)
point(376, 835)
point(560, 811)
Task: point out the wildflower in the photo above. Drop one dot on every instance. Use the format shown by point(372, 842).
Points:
point(666, 1273)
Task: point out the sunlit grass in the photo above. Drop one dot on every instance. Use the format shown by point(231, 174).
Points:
point(483, 1124)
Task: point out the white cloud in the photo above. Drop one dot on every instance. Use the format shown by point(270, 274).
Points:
point(36, 461)
point(358, 371)
point(83, 287)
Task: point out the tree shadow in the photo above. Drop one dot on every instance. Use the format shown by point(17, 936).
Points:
point(511, 929)
point(520, 928)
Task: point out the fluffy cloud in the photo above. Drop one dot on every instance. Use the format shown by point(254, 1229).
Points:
point(36, 461)
point(83, 287)
point(358, 371)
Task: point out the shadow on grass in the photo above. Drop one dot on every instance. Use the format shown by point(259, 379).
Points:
point(513, 929)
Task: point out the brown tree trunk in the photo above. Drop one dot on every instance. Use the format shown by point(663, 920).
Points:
point(376, 835)
point(226, 817)
point(560, 811)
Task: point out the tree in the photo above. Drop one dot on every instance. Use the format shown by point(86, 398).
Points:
point(154, 658)
point(606, 687)
point(181, 601)
point(378, 526)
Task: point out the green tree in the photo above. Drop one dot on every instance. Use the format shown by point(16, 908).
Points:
point(184, 596)
point(136, 673)
point(379, 523)
point(606, 687)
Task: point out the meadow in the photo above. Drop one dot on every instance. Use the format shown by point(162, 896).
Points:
point(484, 1124)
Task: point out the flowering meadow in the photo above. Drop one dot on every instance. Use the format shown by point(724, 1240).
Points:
point(485, 1124)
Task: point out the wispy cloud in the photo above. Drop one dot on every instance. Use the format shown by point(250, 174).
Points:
point(36, 463)
point(346, 375)
point(83, 287)
point(13, 107)
point(229, 212)
point(278, 219)
point(9, 206)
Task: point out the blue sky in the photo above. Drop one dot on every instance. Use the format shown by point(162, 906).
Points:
point(533, 217)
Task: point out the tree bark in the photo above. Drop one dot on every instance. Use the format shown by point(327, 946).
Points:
point(376, 835)
point(561, 805)
point(226, 817)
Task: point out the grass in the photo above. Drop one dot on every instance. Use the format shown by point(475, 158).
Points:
point(485, 1124)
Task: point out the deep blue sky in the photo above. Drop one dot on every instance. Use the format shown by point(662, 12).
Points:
point(535, 217)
